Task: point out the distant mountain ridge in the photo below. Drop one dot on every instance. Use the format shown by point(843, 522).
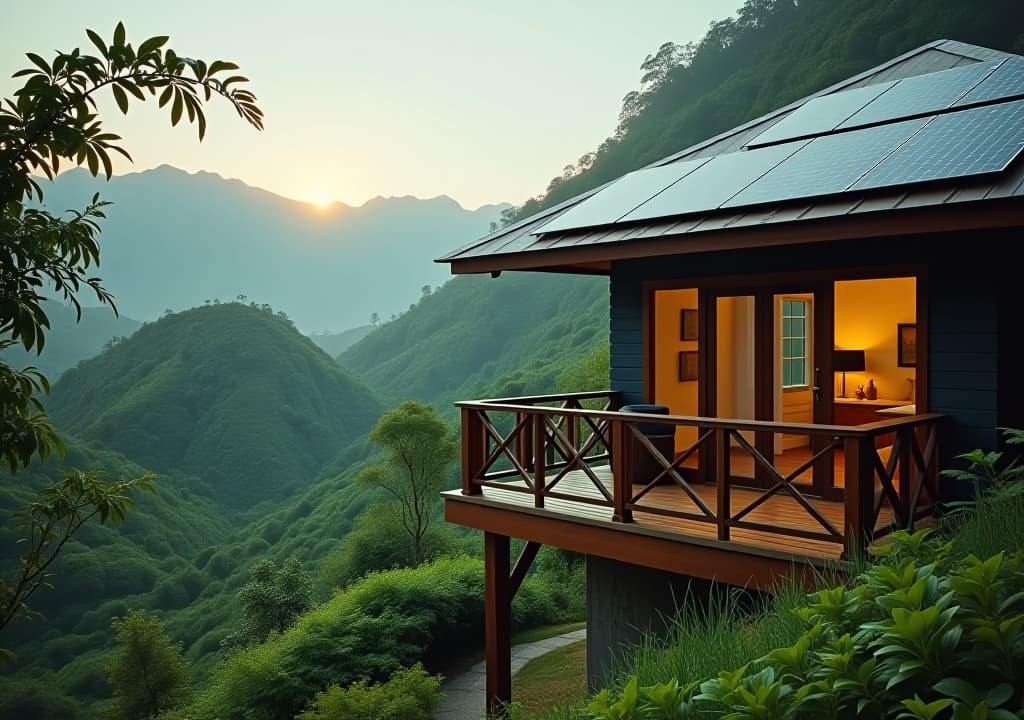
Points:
point(174, 240)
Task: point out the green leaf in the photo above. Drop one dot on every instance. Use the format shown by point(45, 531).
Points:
point(98, 42)
point(119, 35)
point(152, 44)
point(176, 108)
point(121, 98)
point(39, 62)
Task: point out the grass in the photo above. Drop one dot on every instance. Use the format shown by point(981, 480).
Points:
point(557, 678)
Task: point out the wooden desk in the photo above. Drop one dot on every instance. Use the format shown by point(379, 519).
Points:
point(851, 411)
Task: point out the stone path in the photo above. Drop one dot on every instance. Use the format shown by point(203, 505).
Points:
point(465, 692)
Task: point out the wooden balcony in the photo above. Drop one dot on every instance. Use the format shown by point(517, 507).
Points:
point(573, 471)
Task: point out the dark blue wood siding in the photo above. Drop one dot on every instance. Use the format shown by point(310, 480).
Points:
point(627, 361)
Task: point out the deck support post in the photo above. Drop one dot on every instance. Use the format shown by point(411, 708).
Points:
point(622, 467)
point(539, 481)
point(497, 624)
point(860, 492)
point(474, 450)
point(722, 509)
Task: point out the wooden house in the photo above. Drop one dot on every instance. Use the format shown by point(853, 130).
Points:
point(863, 238)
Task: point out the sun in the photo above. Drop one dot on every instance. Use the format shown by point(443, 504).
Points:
point(321, 201)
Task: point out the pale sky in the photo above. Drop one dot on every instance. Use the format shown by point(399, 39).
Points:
point(475, 100)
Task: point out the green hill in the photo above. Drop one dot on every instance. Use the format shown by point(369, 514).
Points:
point(335, 343)
point(512, 334)
point(230, 393)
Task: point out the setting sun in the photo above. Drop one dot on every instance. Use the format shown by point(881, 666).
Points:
point(321, 202)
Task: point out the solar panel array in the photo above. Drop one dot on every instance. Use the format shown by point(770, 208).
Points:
point(821, 114)
point(1005, 82)
point(949, 136)
point(621, 196)
point(829, 164)
point(980, 140)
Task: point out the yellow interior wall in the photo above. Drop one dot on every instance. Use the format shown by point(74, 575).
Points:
point(680, 397)
point(867, 312)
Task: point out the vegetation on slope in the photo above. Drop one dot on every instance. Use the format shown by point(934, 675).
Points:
point(229, 392)
point(526, 328)
point(771, 53)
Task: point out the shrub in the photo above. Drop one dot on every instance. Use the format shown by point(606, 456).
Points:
point(916, 635)
point(407, 695)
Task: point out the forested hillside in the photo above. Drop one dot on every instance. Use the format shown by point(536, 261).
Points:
point(231, 393)
point(771, 53)
point(511, 334)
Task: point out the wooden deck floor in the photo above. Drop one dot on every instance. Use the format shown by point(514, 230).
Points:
point(780, 510)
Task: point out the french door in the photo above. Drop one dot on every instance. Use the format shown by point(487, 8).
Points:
point(766, 354)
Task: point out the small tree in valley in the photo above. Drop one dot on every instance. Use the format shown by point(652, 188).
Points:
point(271, 601)
point(419, 448)
point(147, 673)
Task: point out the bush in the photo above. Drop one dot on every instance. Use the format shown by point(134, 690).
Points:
point(376, 542)
point(407, 695)
point(919, 635)
point(384, 622)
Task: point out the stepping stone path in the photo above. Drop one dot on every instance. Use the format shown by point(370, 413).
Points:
point(465, 693)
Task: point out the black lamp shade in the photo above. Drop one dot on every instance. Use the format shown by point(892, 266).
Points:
point(847, 360)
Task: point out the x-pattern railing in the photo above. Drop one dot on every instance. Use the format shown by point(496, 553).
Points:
point(553, 437)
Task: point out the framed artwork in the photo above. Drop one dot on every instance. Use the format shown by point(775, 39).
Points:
point(906, 345)
point(688, 324)
point(688, 365)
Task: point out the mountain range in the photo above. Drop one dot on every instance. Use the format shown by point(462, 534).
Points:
point(174, 240)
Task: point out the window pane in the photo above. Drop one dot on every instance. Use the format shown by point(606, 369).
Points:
point(798, 373)
point(798, 328)
point(787, 328)
point(787, 349)
point(800, 308)
point(797, 348)
point(787, 308)
point(787, 373)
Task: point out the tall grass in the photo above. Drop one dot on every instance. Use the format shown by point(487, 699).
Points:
point(995, 524)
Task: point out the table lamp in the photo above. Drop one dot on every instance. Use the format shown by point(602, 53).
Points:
point(845, 361)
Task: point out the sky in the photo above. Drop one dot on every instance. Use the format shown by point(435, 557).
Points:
point(480, 101)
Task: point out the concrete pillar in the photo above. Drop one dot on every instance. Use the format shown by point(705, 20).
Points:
point(624, 601)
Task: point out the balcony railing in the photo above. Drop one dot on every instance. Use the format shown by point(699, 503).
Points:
point(531, 445)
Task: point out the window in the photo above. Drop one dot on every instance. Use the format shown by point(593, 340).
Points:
point(795, 345)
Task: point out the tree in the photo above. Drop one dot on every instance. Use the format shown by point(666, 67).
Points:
point(271, 601)
point(147, 673)
point(374, 319)
point(419, 448)
point(51, 119)
point(50, 522)
point(407, 695)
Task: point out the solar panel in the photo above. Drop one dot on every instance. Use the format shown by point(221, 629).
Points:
point(970, 142)
point(710, 185)
point(921, 94)
point(1007, 81)
point(614, 201)
point(828, 164)
point(821, 114)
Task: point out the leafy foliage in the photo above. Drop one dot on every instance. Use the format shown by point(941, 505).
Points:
point(407, 695)
point(47, 525)
point(147, 672)
point(50, 119)
point(916, 634)
point(271, 601)
point(419, 448)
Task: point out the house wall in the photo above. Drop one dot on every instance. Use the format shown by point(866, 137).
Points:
point(964, 287)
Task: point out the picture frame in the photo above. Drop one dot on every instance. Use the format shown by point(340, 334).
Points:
point(906, 344)
point(688, 328)
point(689, 365)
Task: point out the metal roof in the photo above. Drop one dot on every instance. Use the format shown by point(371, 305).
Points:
point(524, 245)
